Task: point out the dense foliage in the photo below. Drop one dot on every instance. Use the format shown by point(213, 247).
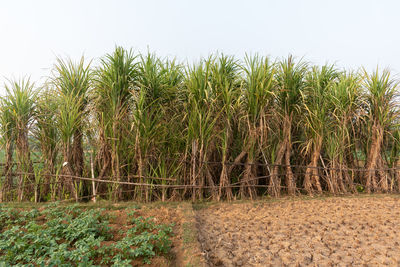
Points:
point(67, 235)
point(220, 128)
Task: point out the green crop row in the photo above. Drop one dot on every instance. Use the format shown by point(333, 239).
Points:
point(65, 236)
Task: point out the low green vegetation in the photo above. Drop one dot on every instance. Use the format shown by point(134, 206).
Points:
point(57, 235)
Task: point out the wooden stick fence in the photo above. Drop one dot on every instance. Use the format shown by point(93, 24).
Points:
point(238, 184)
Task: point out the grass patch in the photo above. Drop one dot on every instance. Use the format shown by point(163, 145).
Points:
point(189, 236)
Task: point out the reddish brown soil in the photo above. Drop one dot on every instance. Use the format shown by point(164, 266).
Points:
point(333, 231)
point(160, 215)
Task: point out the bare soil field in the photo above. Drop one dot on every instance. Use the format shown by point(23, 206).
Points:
point(354, 231)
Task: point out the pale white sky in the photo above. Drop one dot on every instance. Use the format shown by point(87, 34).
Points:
point(352, 33)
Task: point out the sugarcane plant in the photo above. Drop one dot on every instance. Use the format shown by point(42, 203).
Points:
point(226, 86)
point(7, 128)
point(382, 112)
point(200, 120)
point(19, 103)
point(154, 92)
point(345, 97)
point(290, 77)
point(71, 82)
point(257, 110)
point(47, 135)
point(317, 109)
point(113, 82)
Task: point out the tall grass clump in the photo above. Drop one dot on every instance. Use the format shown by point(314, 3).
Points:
point(18, 107)
point(200, 121)
point(113, 82)
point(47, 135)
point(257, 105)
point(71, 82)
point(340, 132)
point(7, 128)
point(317, 111)
point(381, 114)
point(154, 96)
point(290, 78)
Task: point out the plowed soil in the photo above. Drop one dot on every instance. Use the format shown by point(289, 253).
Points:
point(319, 232)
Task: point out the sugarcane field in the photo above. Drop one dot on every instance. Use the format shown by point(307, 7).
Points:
point(199, 133)
point(276, 162)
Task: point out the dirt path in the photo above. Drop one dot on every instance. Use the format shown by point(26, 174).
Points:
point(185, 247)
point(333, 231)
